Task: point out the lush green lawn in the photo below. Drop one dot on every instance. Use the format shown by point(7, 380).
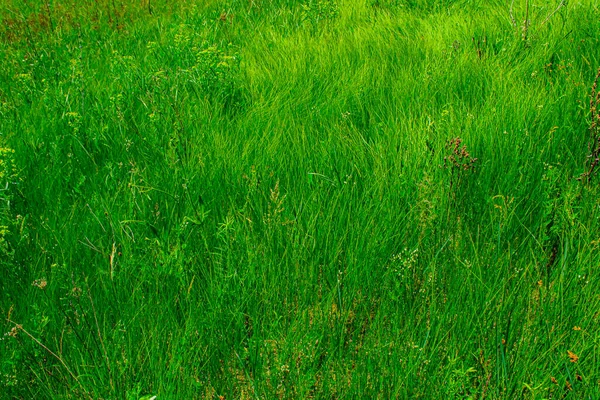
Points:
point(299, 199)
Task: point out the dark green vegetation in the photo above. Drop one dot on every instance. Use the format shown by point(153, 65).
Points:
point(299, 199)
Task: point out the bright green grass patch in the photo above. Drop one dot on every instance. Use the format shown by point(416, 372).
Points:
point(298, 199)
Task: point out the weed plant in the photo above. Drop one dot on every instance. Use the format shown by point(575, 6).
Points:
point(299, 199)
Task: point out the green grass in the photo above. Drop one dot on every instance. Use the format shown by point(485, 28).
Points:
point(258, 199)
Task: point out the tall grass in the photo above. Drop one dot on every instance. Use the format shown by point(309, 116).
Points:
point(298, 199)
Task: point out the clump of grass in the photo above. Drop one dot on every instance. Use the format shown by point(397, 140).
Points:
point(594, 129)
point(216, 72)
point(9, 220)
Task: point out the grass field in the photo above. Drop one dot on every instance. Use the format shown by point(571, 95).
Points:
point(262, 199)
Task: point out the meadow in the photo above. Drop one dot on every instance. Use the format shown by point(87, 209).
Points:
point(280, 199)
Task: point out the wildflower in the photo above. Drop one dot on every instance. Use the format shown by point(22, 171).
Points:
point(40, 283)
point(572, 356)
point(14, 331)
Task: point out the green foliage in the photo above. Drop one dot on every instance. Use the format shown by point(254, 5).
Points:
point(316, 12)
point(8, 176)
point(215, 71)
point(10, 221)
point(299, 199)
